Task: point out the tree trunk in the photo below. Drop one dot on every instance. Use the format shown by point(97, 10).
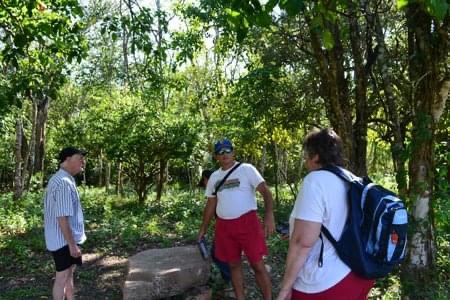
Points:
point(32, 146)
point(161, 179)
point(119, 184)
point(41, 124)
point(262, 164)
point(398, 139)
point(285, 169)
point(100, 169)
point(107, 176)
point(125, 37)
point(359, 154)
point(427, 46)
point(141, 182)
point(19, 168)
point(275, 154)
point(332, 86)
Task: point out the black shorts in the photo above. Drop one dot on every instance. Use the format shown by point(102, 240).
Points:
point(63, 259)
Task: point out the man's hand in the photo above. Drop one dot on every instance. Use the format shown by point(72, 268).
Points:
point(269, 224)
point(201, 234)
point(63, 223)
point(74, 250)
point(208, 214)
point(269, 220)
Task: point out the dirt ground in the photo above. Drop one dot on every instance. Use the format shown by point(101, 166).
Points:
point(102, 277)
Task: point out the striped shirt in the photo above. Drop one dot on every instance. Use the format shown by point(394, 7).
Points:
point(62, 199)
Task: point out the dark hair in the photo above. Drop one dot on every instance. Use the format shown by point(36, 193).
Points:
point(327, 144)
point(205, 174)
point(68, 152)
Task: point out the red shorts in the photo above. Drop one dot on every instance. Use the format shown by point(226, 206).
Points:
point(352, 287)
point(242, 234)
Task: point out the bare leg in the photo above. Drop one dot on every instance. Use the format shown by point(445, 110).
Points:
point(60, 284)
point(263, 279)
point(237, 279)
point(69, 291)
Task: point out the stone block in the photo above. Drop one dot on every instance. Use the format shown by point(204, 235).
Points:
point(161, 273)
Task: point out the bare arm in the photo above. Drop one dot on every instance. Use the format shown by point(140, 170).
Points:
point(303, 237)
point(67, 232)
point(269, 220)
point(208, 214)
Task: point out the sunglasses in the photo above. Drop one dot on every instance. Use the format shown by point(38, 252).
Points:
point(224, 151)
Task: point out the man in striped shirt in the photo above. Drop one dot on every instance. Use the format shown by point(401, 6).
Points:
point(63, 221)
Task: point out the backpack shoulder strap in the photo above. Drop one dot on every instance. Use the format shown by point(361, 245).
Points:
point(328, 235)
point(225, 178)
point(347, 177)
point(344, 175)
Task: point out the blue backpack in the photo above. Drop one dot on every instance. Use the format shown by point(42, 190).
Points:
point(374, 238)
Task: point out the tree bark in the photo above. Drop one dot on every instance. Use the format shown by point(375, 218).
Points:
point(275, 154)
point(18, 176)
point(107, 176)
point(125, 37)
point(119, 184)
point(262, 162)
point(397, 143)
point(100, 169)
point(32, 146)
point(427, 46)
point(40, 134)
point(359, 154)
point(161, 179)
point(141, 186)
point(334, 86)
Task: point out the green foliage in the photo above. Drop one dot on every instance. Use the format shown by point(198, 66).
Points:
point(7, 127)
point(55, 26)
point(153, 136)
point(121, 224)
point(20, 231)
point(436, 8)
point(441, 205)
point(38, 42)
point(292, 7)
point(233, 16)
point(187, 43)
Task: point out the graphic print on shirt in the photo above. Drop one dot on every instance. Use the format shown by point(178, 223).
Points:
point(229, 184)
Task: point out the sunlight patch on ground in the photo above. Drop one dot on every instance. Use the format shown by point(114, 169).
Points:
point(108, 261)
point(112, 261)
point(90, 257)
point(111, 275)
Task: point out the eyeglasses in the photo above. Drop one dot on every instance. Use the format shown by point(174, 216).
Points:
point(224, 151)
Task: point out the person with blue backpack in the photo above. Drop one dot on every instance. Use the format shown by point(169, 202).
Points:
point(314, 269)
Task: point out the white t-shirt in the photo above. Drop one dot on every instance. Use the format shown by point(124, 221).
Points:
point(323, 199)
point(237, 195)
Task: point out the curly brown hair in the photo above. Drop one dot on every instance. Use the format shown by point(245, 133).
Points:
point(327, 144)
